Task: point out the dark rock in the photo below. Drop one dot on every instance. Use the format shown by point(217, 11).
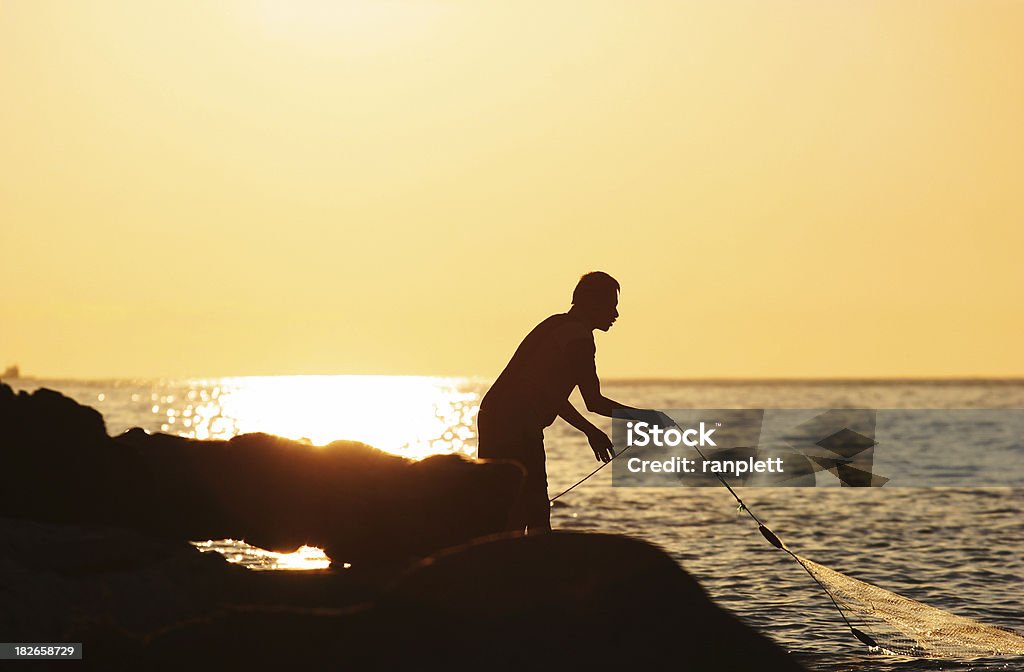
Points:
point(60, 466)
point(359, 504)
point(571, 601)
point(560, 601)
point(60, 581)
point(113, 589)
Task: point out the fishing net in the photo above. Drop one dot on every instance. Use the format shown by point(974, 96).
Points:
point(901, 626)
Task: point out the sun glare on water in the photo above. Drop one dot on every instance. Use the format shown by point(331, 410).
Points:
point(409, 416)
point(305, 557)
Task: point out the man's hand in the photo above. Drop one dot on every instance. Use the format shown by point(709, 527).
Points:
point(601, 445)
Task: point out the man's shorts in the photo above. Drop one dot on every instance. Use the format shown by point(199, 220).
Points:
point(505, 438)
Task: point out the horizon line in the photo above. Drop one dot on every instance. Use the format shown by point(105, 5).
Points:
point(610, 379)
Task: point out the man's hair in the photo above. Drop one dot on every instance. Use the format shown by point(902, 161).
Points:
point(594, 285)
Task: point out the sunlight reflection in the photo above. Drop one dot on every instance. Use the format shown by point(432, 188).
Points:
point(306, 557)
point(410, 416)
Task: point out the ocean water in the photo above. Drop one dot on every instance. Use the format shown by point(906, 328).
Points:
point(956, 548)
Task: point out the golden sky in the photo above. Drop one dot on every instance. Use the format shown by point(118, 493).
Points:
point(784, 189)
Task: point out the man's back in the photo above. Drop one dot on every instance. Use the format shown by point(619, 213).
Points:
point(545, 368)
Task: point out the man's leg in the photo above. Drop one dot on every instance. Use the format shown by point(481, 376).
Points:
point(535, 503)
point(537, 511)
point(499, 440)
point(508, 440)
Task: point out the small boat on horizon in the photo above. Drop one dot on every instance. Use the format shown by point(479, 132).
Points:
point(11, 373)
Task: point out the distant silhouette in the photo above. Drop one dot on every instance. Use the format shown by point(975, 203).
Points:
point(553, 359)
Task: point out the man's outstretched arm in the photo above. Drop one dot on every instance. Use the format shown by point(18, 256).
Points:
point(590, 388)
point(599, 441)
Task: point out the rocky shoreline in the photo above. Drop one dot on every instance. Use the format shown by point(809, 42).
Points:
point(94, 548)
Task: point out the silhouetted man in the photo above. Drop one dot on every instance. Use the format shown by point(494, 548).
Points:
point(534, 388)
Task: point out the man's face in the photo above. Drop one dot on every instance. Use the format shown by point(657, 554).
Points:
point(606, 312)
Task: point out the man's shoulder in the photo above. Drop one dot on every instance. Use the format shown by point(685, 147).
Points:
point(564, 329)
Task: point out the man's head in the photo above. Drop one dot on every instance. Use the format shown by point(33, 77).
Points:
point(596, 297)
